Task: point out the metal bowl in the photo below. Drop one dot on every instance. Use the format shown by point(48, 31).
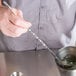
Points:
point(62, 53)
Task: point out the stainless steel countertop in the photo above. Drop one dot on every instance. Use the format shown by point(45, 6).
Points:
point(30, 63)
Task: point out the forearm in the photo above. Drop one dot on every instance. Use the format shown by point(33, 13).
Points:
point(0, 2)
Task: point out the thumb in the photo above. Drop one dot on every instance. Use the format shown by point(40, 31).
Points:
point(14, 11)
point(20, 13)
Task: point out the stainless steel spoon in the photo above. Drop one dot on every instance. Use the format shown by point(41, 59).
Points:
point(42, 42)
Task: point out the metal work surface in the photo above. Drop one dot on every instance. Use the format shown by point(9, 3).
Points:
point(30, 63)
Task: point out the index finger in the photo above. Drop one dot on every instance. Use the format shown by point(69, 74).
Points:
point(21, 23)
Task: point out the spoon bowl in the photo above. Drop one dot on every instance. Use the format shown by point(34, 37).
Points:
point(67, 57)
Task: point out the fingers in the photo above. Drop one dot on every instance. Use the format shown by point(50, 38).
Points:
point(21, 23)
point(16, 30)
point(12, 31)
point(13, 24)
point(17, 20)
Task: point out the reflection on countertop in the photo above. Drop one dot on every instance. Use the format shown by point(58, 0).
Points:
point(30, 63)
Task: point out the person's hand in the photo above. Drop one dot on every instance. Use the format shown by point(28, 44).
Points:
point(12, 23)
